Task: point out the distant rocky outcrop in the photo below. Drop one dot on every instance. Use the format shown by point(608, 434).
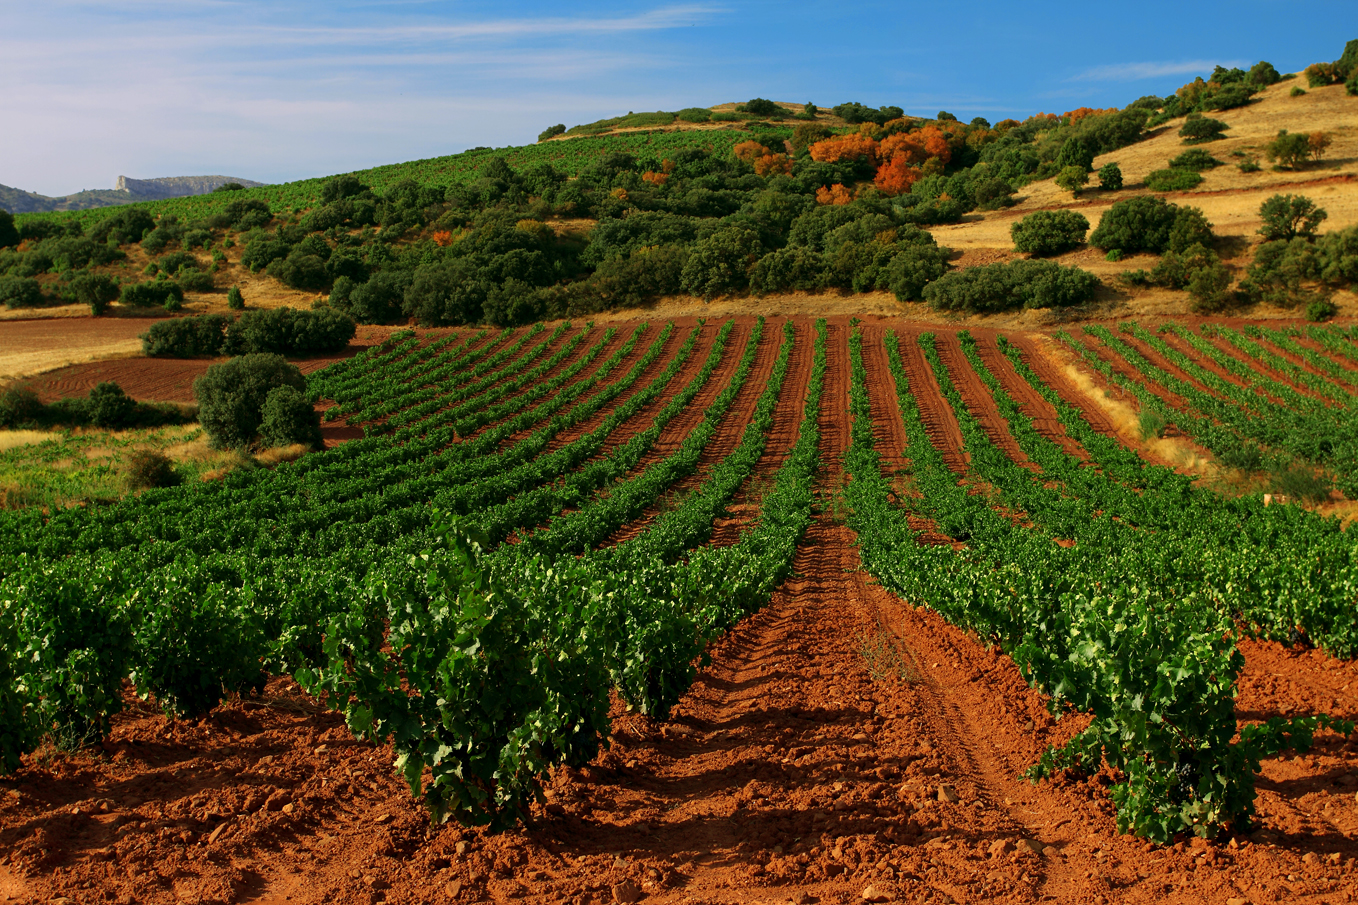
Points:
point(177, 186)
point(126, 191)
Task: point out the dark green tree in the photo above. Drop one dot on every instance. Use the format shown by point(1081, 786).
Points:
point(1045, 233)
point(1110, 177)
point(9, 233)
point(231, 396)
point(1290, 216)
point(287, 418)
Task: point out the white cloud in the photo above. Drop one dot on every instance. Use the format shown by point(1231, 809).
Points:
point(1131, 72)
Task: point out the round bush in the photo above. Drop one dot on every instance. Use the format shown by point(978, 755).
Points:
point(20, 292)
point(147, 468)
point(288, 418)
point(231, 395)
point(1172, 180)
point(18, 405)
point(108, 406)
point(1195, 159)
point(95, 290)
point(1198, 128)
point(1145, 223)
point(234, 300)
point(1049, 232)
point(1110, 177)
point(9, 233)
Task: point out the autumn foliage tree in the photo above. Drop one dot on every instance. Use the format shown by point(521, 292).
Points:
point(835, 194)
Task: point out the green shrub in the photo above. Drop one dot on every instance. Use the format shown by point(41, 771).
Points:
point(721, 263)
point(992, 194)
point(18, 405)
point(1152, 224)
point(95, 290)
point(1005, 287)
point(234, 300)
point(1301, 482)
point(1297, 91)
point(761, 107)
point(1152, 423)
point(1198, 129)
point(20, 292)
point(1195, 159)
point(1289, 216)
point(1318, 75)
point(185, 337)
point(1248, 165)
point(1284, 273)
point(158, 293)
point(1321, 310)
point(148, 469)
point(1262, 74)
point(108, 406)
point(1072, 179)
point(552, 132)
point(1049, 232)
point(1172, 180)
point(195, 281)
point(695, 114)
point(9, 233)
point(1351, 86)
point(289, 418)
point(1289, 149)
point(1110, 177)
point(913, 268)
point(289, 331)
point(231, 396)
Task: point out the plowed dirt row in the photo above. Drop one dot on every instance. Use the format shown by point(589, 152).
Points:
point(1347, 385)
point(727, 435)
point(934, 409)
point(979, 401)
point(1029, 400)
point(1265, 370)
point(743, 510)
point(841, 739)
point(1207, 364)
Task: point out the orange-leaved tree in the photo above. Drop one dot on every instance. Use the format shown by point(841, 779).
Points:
point(773, 163)
point(896, 175)
point(835, 194)
point(855, 146)
point(655, 178)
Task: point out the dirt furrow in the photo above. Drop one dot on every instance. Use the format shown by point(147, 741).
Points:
point(1030, 401)
point(726, 437)
point(934, 409)
point(979, 401)
point(1266, 371)
point(743, 510)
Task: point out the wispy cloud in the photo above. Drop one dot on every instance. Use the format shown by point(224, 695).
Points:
point(1131, 72)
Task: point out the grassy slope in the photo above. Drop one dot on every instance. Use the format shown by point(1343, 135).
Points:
point(1228, 197)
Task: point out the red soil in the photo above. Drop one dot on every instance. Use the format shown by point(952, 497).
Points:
point(841, 739)
point(158, 379)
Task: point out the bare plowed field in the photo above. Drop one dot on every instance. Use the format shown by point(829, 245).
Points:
point(839, 745)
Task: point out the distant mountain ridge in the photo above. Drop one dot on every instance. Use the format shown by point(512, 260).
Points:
point(125, 191)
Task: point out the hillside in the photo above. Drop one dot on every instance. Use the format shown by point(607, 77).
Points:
point(849, 208)
point(125, 191)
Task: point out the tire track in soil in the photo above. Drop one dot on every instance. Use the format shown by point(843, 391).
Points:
point(724, 439)
point(742, 512)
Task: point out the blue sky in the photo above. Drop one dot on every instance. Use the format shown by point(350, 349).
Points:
point(282, 90)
